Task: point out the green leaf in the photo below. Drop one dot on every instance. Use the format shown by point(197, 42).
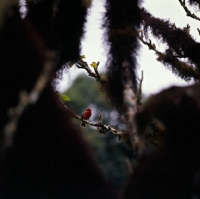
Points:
point(82, 57)
point(64, 97)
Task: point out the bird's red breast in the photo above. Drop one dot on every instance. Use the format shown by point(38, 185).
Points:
point(87, 114)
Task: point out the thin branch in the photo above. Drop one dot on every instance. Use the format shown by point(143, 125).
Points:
point(102, 128)
point(189, 14)
point(84, 65)
point(149, 44)
point(139, 93)
point(26, 99)
point(182, 69)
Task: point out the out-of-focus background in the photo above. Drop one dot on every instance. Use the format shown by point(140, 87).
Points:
point(112, 155)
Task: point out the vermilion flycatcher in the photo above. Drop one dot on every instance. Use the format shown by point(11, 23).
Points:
point(86, 115)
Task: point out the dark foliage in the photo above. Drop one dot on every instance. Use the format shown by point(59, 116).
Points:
point(178, 67)
point(61, 25)
point(49, 158)
point(17, 72)
point(122, 18)
point(161, 176)
point(173, 172)
point(69, 26)
point(177, 39)
point(42, 18)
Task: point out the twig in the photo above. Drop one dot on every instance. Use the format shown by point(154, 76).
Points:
point(198, 30)
point(189, 14)
point(180, 66)
point(149, 44)
point(153, 47)
point(84, 65)
point(139, 93)
point(26, 99)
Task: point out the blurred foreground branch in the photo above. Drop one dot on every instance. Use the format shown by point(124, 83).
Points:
point(26, 99)
point(5, 6)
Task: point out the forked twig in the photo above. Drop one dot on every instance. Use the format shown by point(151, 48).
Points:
point(188, 12)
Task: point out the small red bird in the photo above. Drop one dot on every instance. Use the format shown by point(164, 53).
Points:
point(86, 115)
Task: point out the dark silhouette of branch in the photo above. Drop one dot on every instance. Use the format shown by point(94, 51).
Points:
point(26, 99)
point(178, 40)
point(180, 68)
point(149, 44)
point(188, 12)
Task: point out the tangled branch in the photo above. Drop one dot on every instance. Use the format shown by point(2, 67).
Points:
point(149, 44)
point(189, 14)
point(180, 68)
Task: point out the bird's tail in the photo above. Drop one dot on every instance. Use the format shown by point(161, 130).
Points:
point(82, 125)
